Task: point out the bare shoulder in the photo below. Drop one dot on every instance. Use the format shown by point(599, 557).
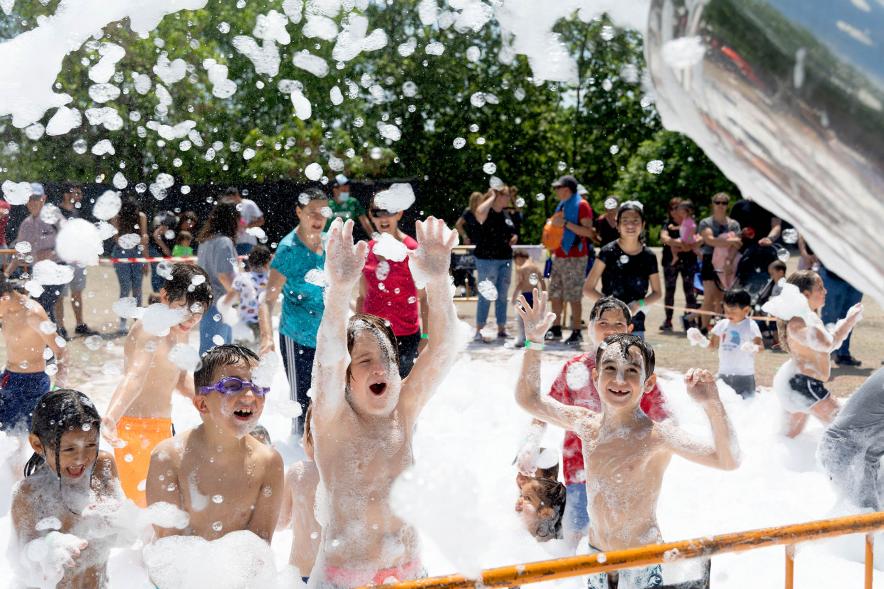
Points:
point(170, 450)
point(264, 454)
point(587, 424)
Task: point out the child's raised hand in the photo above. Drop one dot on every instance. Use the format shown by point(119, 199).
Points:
point(433, 256)
point(696, 338)
point(109, 432)
point(536, 318)
point(701, 385)
point(855, 313)
point(343, 259)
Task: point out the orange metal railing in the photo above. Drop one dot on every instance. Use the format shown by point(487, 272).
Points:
point(574, 566)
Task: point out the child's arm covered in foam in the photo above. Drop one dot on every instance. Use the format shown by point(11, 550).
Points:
point(430, 263)
point(724, 453)
point(528, 396)
point(343, 268)
point(137, 367)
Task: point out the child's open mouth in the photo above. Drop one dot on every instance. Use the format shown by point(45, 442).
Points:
point(378, 388)
point(243, 414)
point(619, 392)
point(76, 471)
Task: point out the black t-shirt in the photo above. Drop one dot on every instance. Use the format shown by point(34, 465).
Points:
point(605, 231)
point(627, 277)
point(493, 237)
point(672, 227)
point(470, 224)
point(752, 216)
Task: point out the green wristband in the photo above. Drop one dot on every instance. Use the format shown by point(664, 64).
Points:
point(425, 336)
point(641, 303)
point(529, 345)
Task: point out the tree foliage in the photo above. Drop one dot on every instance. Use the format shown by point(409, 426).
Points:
point(523, 131)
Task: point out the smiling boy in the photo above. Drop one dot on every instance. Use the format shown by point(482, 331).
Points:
point(626, 453)
point(364, 414)
point(222, 477)
point(139, 415)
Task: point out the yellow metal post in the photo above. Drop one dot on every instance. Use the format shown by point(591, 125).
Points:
point(870, 560)
point(790, 566)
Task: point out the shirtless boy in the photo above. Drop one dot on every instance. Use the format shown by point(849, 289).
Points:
point(298, 507)
point(626, 453)
point(574, 386)
point(800, 382)
point(27, 332)
point(139, 415)
point(219, 459)
point(364, 414)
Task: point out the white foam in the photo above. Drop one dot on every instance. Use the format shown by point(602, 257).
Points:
point(79, 242)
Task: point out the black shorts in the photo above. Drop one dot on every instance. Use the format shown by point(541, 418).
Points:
point(810, 390)
point(707, 270)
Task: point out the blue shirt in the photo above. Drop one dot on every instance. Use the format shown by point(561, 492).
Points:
point(302, 305)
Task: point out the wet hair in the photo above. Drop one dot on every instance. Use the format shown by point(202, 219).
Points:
point(129, 217)
point(57, 412)
point(180, 286)
point(310, 195)
point(381, 329)
point(261, 434)
point(778, 265)
point(805, 280)
point(606, 304)
point(552, 494)
point(737, 298)
point(223, 220)
point(627, 341)
point(183, 236)
point(259, 256)
point(630, 205)
point(9, 285)
point(218, 357)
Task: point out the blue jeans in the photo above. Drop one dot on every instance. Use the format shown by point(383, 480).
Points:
point(243, 249)
point(499, 273)
point(156, 281)
point(840, 296)
point(209, 328)
point(575, 520)
point(129, 276)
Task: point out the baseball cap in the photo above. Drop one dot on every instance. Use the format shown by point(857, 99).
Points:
point(611, 203)
point(569, 181)
point(37, 190)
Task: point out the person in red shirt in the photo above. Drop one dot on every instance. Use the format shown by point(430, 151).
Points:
point(574, 215)
point(4, 221)
point(387, 289)
point(574, 386)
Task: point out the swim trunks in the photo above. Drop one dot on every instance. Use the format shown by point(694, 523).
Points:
point(649, 577)
point(141, 434)
point(809, 391)
point(344, 578)
point(19, 393)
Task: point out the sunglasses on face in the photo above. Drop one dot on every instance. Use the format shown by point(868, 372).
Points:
point(720, 202)
point(379, 213)
point(231, 385)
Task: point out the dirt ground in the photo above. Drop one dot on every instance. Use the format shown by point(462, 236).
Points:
point(96, 363)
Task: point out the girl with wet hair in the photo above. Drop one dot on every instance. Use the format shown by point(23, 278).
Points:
point(68, 484)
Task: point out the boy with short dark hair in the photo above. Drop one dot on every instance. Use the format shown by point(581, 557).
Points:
point(574, 386)
point(737, 338)
point(625, 451)
point(139, 415)
point(222, 477)
point(541, 505)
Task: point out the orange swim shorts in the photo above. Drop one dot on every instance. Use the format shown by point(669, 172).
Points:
point(141, 434)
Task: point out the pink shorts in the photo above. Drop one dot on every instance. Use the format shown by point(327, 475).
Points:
point(340, 577)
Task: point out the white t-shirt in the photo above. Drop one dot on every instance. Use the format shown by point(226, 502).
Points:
point(732, 359)
point(248, 212)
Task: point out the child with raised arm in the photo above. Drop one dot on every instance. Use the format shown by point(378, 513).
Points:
point(57, 508)
point(364, 414)
point(219, 459)
point(27, 332)
point(139, 415)
point(528, 277)
point(626, 453)
point(299, 507)
point(800, 382)
point(574, 386)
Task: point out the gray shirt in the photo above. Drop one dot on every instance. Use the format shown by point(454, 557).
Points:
point(863, 415)
point(717, 229)
point(41, 236)
point(217, 256)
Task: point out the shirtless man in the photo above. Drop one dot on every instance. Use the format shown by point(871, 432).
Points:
point(27, 333)
point(800, 382)
point(139, 415)
point(222, 477)
point(364, 414)
point(625, 452)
